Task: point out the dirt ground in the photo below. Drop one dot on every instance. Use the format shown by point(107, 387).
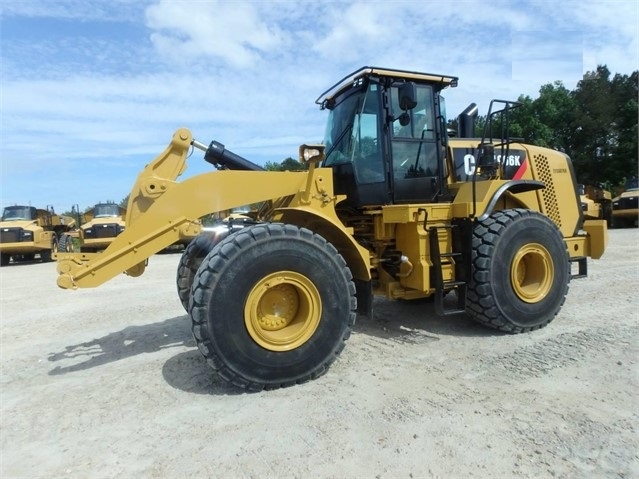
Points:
point(107, 382)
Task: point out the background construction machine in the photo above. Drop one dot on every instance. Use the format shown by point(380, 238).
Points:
point(596, 203)
point(99, 226)
point(26, 231)
point(625, 206)
point(390, 205)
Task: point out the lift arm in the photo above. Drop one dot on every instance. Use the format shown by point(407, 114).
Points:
point(159, 207)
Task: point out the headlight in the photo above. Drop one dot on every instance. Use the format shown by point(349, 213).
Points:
point(310, 153)
point(27, 236)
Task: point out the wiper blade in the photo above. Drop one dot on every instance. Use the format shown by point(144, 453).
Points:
point(339, 140)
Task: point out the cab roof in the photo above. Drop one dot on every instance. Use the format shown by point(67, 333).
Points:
point(348, 80)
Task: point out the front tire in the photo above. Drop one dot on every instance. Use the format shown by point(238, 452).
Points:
point(191, 260)
point(272, 306)
point(521, 271)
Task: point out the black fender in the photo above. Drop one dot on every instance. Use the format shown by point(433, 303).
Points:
point(513, 186)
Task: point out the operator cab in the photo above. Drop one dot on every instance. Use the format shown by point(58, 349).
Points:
point(19, 213)
point(106, 210)
point(386, 136)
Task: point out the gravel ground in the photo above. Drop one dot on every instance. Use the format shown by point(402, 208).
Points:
point(107, 383)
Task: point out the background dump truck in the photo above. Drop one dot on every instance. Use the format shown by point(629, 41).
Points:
point(389, 205)
point(99, 226)
point(26, 231)
point(625, 207)
point(596, 203)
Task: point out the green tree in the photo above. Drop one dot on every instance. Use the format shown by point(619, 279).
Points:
point(288, 164)
point(604, 142)
point(595, 124)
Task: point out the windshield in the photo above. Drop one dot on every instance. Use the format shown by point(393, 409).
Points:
point(338, 138)
point(632, 184)
point(18, 213)
point(352, 135)
point(104, 211)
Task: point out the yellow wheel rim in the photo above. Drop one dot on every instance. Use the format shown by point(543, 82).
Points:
point(282, 311)
point(532, 272)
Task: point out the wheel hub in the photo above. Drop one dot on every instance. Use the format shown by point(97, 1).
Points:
point(532, 272)
point(282, 311)
point(278, 307)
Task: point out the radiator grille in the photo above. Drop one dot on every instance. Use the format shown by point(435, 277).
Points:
point(10, 235)
point(628, 203)
point(550, 205)
point(104, 231)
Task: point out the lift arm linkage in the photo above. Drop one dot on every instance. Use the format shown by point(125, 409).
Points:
point(159, 207)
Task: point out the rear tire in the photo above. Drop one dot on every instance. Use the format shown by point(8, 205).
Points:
point(271, 306)
point(521, 271)
point(191, 260)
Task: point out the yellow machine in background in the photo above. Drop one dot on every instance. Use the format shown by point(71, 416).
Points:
point(596, 203)
point(625, 206)
point(390, 206)
point(26, 231)
point(100, 225)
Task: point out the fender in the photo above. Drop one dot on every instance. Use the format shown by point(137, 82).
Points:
point(513, 186)
point(331, 228)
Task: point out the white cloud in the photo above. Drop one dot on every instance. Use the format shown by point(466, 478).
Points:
point(231, 31)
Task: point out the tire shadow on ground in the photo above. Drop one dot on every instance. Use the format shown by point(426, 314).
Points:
point(189, 372)
point(400, 321)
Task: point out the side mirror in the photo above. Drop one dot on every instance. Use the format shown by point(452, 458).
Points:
point(407, 96)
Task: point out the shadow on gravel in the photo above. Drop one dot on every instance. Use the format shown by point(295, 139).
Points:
point(189, 372)
point(402, 320)
point(131, 341)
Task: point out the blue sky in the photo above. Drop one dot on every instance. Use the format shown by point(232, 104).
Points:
point(91, 90)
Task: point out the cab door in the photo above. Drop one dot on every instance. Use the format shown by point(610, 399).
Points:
point(414, 149)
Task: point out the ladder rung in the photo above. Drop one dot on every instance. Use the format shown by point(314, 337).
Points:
point(454, 283)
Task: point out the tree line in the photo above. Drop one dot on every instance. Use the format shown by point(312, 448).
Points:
point(595, 124)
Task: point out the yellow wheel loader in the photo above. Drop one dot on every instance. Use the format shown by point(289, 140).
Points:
point(26, 231)
point(389, 205)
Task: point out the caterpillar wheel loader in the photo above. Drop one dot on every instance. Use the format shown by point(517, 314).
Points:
point(26, 231)
point(389, 205)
